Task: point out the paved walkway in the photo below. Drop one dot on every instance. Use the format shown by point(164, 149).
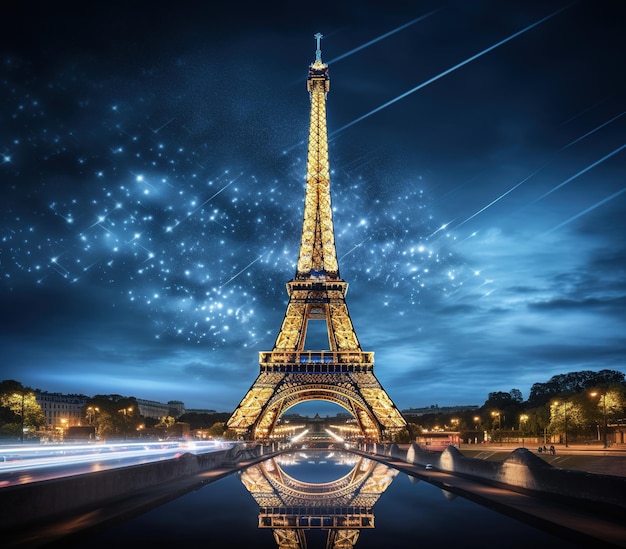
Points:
point(578, 457)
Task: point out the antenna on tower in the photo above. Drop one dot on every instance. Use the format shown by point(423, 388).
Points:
point(318, 52)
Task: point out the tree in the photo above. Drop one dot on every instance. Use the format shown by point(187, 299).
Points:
point(217, 430)
point(609, 403)
point(501, 410)
point(498, 399)
point(406, 434)
point(572, 383)
point(579, 413)
point(203, 420)
point(567, 416)
point(116, 417)
point(20, 413)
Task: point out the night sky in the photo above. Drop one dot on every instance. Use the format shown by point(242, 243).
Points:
point(152, 168)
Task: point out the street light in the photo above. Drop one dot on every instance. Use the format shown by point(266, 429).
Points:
point(522, 422)
point(565, 412)
point(91, 412)
point(127, 412)
point(477, 428)
point(497, 414)
point(603, 395)
point(565, 417)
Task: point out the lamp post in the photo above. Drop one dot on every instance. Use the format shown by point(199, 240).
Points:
point(604, 438)
point(477, 427)
point(127, 412)
point(565, 412)
point(522, 423)
point(91, 412)
point(565, 419)
point(497, 414)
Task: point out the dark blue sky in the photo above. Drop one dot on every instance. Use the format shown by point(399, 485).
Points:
point(152, 175)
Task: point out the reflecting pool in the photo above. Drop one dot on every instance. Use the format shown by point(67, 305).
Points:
point(320, 498)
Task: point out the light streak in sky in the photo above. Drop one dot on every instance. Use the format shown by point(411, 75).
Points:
point(500, 197)
point(448, 71)
point(586, 211)
point(581, 172)
point(383, 36)
point(536, 172)
point(583, 112)
point(442, 228)
point(163, 126)
point(242, 271)
point(354, 248)
point(592, 131)
point(470, 236)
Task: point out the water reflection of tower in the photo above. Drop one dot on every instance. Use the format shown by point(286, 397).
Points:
point(343, 507)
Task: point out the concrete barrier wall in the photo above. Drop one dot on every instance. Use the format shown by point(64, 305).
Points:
point(521, 469)
point(42, 500)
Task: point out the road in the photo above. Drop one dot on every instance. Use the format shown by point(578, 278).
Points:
point(21, 464)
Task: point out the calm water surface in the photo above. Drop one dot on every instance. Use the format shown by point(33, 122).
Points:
point(308, 485)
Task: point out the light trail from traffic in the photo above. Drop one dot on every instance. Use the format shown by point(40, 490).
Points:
point(21, 464)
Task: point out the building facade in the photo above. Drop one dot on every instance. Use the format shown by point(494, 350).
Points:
point(157, 410)
point(61, 410)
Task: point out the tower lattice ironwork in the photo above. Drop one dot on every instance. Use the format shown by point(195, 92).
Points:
point(344, 373)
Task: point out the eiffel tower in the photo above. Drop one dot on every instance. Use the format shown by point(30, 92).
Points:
point(343, 374)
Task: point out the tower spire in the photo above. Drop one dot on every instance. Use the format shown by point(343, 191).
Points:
point(318, 256)
point(318, 53)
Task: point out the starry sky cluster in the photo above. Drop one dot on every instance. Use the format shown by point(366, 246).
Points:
point(152, 164)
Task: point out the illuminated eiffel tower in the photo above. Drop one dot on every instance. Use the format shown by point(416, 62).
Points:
point(343, 374)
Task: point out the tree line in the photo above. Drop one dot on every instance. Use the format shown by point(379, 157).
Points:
point(578, 406)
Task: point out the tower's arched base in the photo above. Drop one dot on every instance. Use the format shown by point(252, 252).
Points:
point(359, 393)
